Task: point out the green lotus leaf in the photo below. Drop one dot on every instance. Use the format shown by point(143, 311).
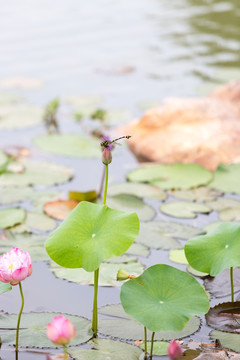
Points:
point(195, 272)
point(176, 176)
point(224, 317)
point(33, 329)
point(36, 173)
point(215, 251)
point(73, 145)
point(4, 287)
point(34, 244)
point(162, 234)
point(201, 193)
point(124, 327)
point(226, 179)
point(220, 285)
point(227, 340)
point(107, 273)
point(211, 227)
point(137, 189)
point(184, 209)
point(90, 234)
point(106, 349)
point(127, 202)
point(11, 216)
point(169, 298)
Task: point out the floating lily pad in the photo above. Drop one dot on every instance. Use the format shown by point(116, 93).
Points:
point(138, 250)
point(184, 209)
point(83, 196)
point(73, 145)
point(159, 348)
point(211, 227)
point(37, 173)
point(85, 104)
point(123, 327)
point(224, 317)
point(223, 203)
point(36, 221)
point(34, 244)
point(59, 209)
point(4, 287)
point(33, 329)
point(3, 159)
point(220, 285)
point(215, 251)
point(106, 349)
point(117, 117)
point(178, 256)
point(161, 234)
point(83, 239)
point(137, 189)
point(8, 99)
point(107, 273)
point(20, 116)
point(11, 216)
point(167, 305)
point(127, 202)
point(10, 195)
point(228, 340)
point(201, 193)
point(195, 272)
point(230, 214)
point(167, 177)
point(226, 179)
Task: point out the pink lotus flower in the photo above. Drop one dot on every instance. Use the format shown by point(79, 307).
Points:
point(15, 266)
point(174, 350)
point(61, 331)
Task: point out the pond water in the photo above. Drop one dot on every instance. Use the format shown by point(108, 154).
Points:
point(130, 53)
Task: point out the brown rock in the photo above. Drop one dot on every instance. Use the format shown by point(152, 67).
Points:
point(193, 130)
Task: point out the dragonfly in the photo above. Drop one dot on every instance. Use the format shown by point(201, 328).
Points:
point(106, 143)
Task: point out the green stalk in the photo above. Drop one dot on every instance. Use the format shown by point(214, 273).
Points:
point(145, 343)
point(96, 272)
point(232, 287)
point(65, 352)
point(151, 351)
point(19, 316)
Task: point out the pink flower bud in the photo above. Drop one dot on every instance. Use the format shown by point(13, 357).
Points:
point(174, 350)
point(15, 266)
point(61, 331)
point(107, 156)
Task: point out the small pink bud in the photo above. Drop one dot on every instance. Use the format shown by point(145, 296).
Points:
point(61, 331)
point(15, 266)
point(174, 350)
point(107, 156)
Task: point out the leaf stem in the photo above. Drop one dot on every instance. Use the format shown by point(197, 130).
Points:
point(232, 286)
point(151, 351)
point(96, 272)
point(19, 316)
point(65, 352)
point(145, 343)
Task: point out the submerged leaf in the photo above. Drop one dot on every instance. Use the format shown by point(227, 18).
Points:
point(33, 329)
point(106, 349)
point(220, 285)
point(166, 293)
point(228, 340)
point(176, 176)
point(184, 209)
point(74, 145)
point(90, 234)
point(224, 317)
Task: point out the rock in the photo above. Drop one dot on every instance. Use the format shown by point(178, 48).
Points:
point(191, 130)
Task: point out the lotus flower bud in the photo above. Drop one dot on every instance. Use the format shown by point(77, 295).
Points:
point(107, 156)
point(61, 331)
point(15, 266)
point(122, 275)
point(174, 350)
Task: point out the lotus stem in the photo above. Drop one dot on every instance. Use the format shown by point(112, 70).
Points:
point(145, 343)
point(19, 316)
point(151, 351)
point(65, 352)
point(96, 272)
point(232, 286)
